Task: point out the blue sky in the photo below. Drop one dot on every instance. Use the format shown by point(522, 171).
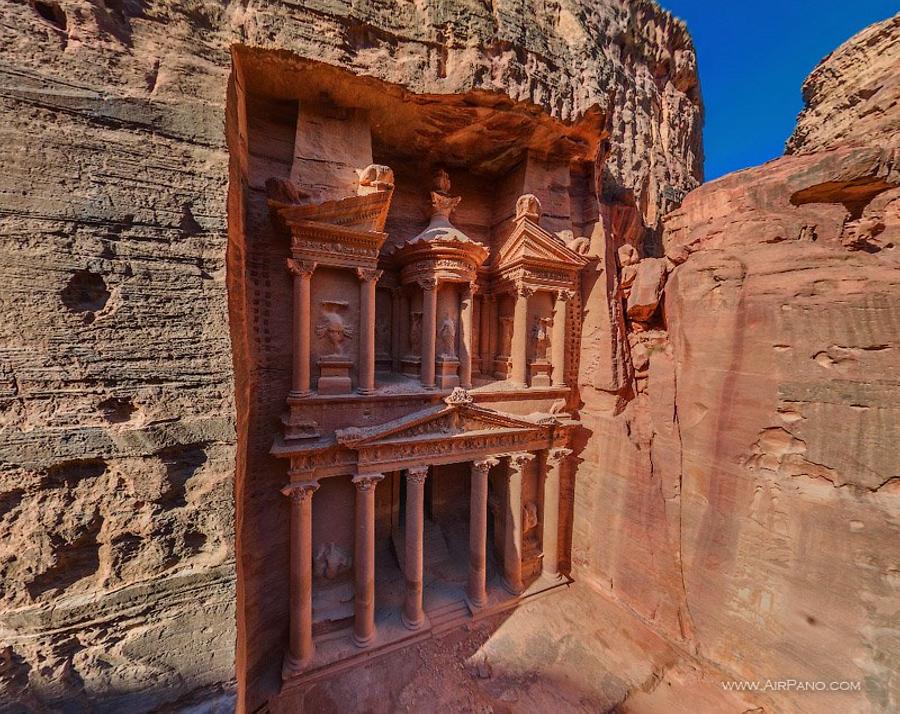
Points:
point(753, 58)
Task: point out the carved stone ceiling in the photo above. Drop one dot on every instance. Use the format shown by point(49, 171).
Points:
point(486, 132)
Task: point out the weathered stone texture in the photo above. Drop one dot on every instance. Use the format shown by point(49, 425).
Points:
point(739, 486)
point(853, 95)
point(118, 436)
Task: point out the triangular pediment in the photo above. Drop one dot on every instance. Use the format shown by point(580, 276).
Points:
point(366, 213)
point(530, 243)
point(443, 421)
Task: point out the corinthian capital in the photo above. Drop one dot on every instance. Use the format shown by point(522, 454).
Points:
point(300, 267)
point(427, 283)
point(417, 474)
point(518, 461)
point(523, 290)
point(565, 295)
point(299, 492)
point(558, 454)
point(367, 482)
point(367, 275)
point(482, 466)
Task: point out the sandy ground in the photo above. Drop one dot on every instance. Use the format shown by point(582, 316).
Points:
point(572, 651)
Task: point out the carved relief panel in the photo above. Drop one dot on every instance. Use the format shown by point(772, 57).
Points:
point(334, 318)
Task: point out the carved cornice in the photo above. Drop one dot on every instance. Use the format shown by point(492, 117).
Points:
point(300, 267)
point(367, 482)
point(300, 492)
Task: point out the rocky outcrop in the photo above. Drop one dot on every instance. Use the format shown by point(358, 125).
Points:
point(853, 95)
point(738, 487)
point(117, 390)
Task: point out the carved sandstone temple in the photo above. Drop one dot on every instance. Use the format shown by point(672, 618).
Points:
point(426, 431)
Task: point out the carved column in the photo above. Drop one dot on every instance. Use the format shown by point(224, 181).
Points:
point(302, 272)
point(550, 537)
point(558, 339)
point(467, 308)
point(488, 327)
point(396, 294)
point(367, 280)
point(364, 560)
point(413, 616)
point(519, 375)
point(429, 324)
point(512, 550)
point(478, 529)
point(301, 647)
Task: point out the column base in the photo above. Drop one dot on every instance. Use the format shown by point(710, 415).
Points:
point(361, 642)
point(291, 666)
point(366, 392)
point(475, 605)
point(511, 588)
point(412, 625)
point(553, 577)
point(300, 395)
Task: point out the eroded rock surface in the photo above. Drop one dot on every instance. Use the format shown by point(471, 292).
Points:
point(853, 95)
point(116, 380)
point(739, 487)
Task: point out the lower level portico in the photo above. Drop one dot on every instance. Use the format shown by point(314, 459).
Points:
point(456, 497)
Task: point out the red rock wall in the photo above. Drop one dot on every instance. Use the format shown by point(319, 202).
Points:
point(738, 488)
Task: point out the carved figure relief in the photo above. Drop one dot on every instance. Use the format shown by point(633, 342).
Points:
point(448, 338)
point(528, 206)
point(506, 330)
point(541, 333)
point(331, 561)
point(332, 328)
point(530, 521)
point(415, 333)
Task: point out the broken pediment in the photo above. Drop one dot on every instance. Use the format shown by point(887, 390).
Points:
point(365, 213)
point(528, 243)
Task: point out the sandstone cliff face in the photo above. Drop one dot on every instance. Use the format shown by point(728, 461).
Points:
point(853, 95)
point(117, 394)
point(738, 486)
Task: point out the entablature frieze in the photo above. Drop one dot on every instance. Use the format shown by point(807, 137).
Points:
point(335, 246)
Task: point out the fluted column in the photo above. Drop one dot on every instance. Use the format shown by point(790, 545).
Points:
point(396, 348)
point(488, 328)
point(467, 309)
point(300, 647)
point(550, 537)
point(558, 338)
point(519, 375)
point(367, 280)
point(413, 616)
point(512, 551)
point(429, 325)
point(478, 529)
point(364, 560)
point(302, 274)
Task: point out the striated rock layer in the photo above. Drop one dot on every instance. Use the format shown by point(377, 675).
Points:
point(853, 95)
point(739, 484)
point(122, 416)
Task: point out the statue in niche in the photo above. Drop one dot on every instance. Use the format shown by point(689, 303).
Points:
point(331, 561)
point(541, 333)
point(415, 333)
point(530, 521)
point(448, 338)
point(506, 330)
point(332, 328)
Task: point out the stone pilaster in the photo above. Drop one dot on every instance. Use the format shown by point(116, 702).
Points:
point(364, 560)
point(478, 531)
point(550, 537)
point(301, 647)
point(512, 551)
point(413, 616)
point(367, 281)
point(302, 276)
